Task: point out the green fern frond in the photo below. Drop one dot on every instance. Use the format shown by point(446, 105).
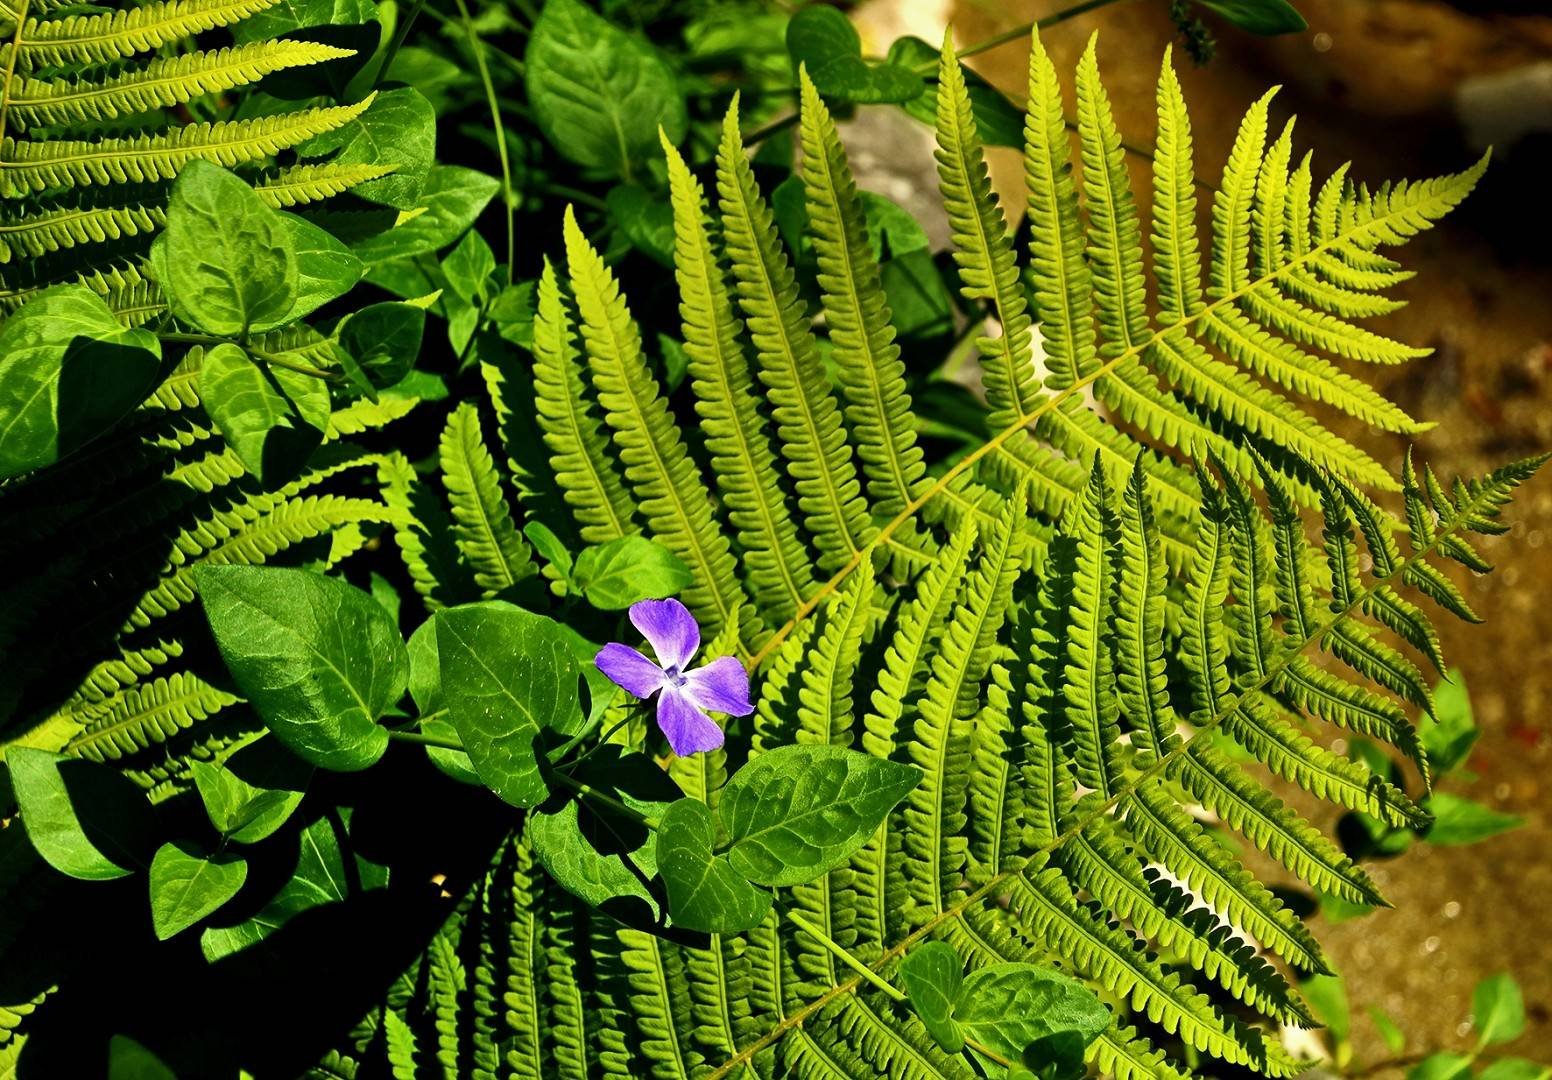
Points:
point(146, 714)
point(116, 35)
point(482, 520)
point(295, 185)
point(160, 84)
point(64, 163)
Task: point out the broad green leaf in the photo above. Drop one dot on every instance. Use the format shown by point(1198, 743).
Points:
point(1498, 1010)
point(615, 575)
point(823, 39)
point(426, 689)
point(546, 543)
point(383, 340)
point(468, 267)
point(1395, 1041)
point(933, 974)
point(1515, 1069)
point(602, 855)
point(598, 92)
point(272, 418)
point(705, 893)
point(1458, 820)
point(508, 677)
point(321, 876)
point(325, 267)
point(398, 129)
point(252, 793)
point(288, 15)
point(225, 259)
point(1007, 1007)
point(68, 371)
point(1442, 1066)
point(1265, 17)
point(1449, 734)
point(647, 221)
point(128, 1060)
point(998, 120)
point(86, 820)
point(453, 198)
point(319, 660)
point(187, 885)
point(513, 313)
point(796, 812)
point(1327, 996)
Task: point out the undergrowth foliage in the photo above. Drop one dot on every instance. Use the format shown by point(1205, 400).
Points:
point(1148, 592)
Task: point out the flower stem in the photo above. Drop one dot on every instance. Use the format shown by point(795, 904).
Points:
point(841, 954)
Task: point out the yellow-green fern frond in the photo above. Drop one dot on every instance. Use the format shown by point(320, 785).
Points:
point(116, 35)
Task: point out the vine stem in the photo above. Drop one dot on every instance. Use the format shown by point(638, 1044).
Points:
point(842, 954)
point(1442, 531)
point(477, 45)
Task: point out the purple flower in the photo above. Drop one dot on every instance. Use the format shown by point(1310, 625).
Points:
point(683, 697)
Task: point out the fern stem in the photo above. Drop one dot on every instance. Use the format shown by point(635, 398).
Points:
point(10, 68)
point(1444, 530)
point(477, 45)
point(842, 955)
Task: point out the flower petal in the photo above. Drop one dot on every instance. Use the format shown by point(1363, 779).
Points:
point(670, 628)
point(720, 686)
point(689, 730)
point(628, 668)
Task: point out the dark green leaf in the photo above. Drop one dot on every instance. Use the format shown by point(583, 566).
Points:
point(468, 267)
point(1450, 733)
point(272, 418)
point(453, 197)
point(318, 659)
point(1009, 1006)
point(998, 120)
point(1442, 1066)
point(252, 793)
point(705, 893)
point(325, 267)
point(932, 974)
point(288, 15)
point(128, 1060)
point(320, 877)
point(398, 129)
point(823, 39)
point(1498, 1010)
point(1458, 820)
point(225, 259)
point(646, 220)
point(599, 93)
point(384, 340)
point(426, 689)
point(508, 676)
point(614, 575)
point(68, 371)
point(1265, 17)
point(549, 545)
point(187, 885)
point(798, 811)
point(85, 819)
point(598, 853)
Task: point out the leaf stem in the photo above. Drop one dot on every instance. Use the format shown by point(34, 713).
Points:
point(588, 791)
point(1018, 32)
point(507, 194)
point(841, 954)
point(421, 738)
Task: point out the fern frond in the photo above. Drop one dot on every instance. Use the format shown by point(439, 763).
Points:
point(64, 163)
point(142, 715)
point(808, 420)
point(117, 35)
point(482, 520)
point(295, 185)
point(160, 84)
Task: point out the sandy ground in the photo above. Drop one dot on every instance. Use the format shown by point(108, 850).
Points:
point(1377, 82)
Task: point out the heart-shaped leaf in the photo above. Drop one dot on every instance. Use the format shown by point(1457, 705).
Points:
point(188, 884)
point(933, 973)
point(615, 575)
point(799, 811)
point(318, 659)
point(325, 267)
point(705, 893)
point(398, 129)
point(86, 820)
point(382, 341)
point(252, 793)
point(1009, 1006)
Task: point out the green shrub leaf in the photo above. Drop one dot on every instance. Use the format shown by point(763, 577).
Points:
point(1265, 17)
point(509, 676)
point(615, 575)
point(272, 418)
point(1498, 1010)
point(399, 129)
point(325, 267)
point(1458, 820)
point(187, 885)
point(318, 659)
point(1007, 1007)
point(225, 259)
point(68, 371)
point(599, 93)
point(705, 892)
point(824, 39)
point(798, 811)
point(383, 340)
point(84, 819)
point(933, 974)
point(252, 793)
